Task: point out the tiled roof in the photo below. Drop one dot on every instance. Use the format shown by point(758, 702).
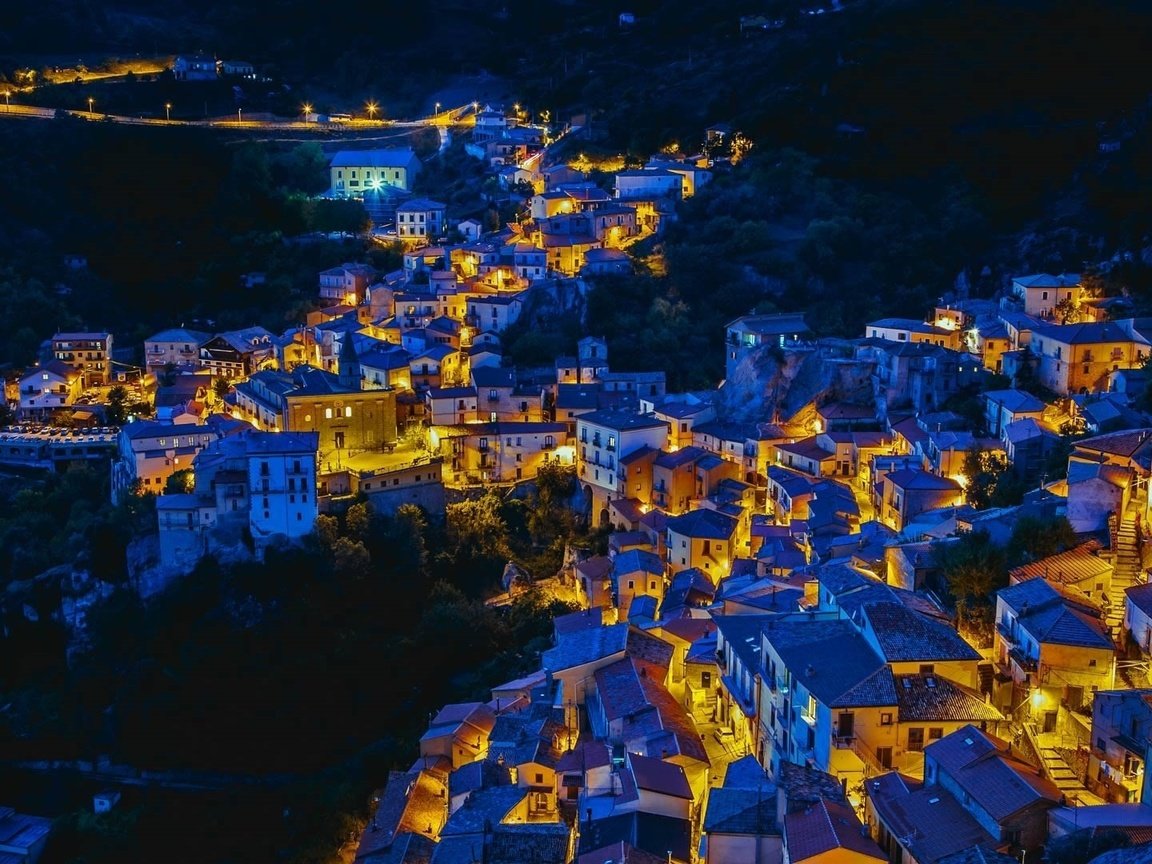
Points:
point(1070, 566)
point(823, 827)
point(682, 737)
point(638, 561)
point(619, 690)
point(613, 418)
point(804, 785)
point(913, 479)
point(707, 524)
point(928, 822)
point(529, 843)
point(598, 567)
point(1093, 333)
point(806, 448)
point(585, 619)
point(1140, 596)
point(648, 831)
point(1016, 401)
point(385, 158)
point(585, 646)
point(655, 775)
point(930, 697)
point(742, 811)
point(180, 334)
point(1049, 618)
point(980, 765)
point(649, 650)
point(845, 411)
point(831, 660)
point(1047, 280)
point(483, 808)
point(905, 636)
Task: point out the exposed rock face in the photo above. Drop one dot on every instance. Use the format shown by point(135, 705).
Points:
point(783, 384)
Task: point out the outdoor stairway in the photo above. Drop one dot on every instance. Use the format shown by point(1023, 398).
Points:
point(1056, 769)
point(1127, 568)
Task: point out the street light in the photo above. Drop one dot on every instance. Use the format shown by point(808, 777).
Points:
point(8, 101)
point(437, 111)
point(168, 112)
point(307, 110)
point(239, 116)
point(90, 101)
point(372, 109)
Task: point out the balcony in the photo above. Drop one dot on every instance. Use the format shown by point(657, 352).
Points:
point(1005, 631)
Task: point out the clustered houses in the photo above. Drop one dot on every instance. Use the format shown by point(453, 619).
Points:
point(766, 665)
point(771, 591)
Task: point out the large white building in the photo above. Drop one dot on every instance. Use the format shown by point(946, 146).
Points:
point(603, 438)
point(253, 486)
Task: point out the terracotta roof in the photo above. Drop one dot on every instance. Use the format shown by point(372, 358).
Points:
point(823, 827)
point(1071, 566)
point(904, 635)
point(928, 822)
point(583, 620)
point(585, 646)
point(529, 843)
point(932, 698)
point(981, 765)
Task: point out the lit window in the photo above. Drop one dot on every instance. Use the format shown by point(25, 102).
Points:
point(327, 413)
point(348, 411)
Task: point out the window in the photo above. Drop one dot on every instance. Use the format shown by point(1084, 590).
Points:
point(705, 679)
point(327, 413)
point(809, 714)
point(935, 733)
point(631, 584)
point(549, 442)
point(915, 740)
point(886, 718)
point(348, 411)
point(927, 669)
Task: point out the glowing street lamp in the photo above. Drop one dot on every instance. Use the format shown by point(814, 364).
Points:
point(8, 101)
point(372, 109)
point(90, 101)
point(239, 116)
point(168, 112)
point(307, 109)
point(437, 111)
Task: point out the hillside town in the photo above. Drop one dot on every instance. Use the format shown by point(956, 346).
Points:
point(785, 654)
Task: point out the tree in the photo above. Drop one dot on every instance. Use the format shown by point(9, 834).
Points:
point(990, 480)
point(117, 409)
point(180, 482)
point(221, 387)
point(972, 568)
point(1034, 538)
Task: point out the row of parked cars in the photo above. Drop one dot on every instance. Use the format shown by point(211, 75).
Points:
point(62, 432)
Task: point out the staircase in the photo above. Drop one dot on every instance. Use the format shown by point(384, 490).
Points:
point(1127, 567)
